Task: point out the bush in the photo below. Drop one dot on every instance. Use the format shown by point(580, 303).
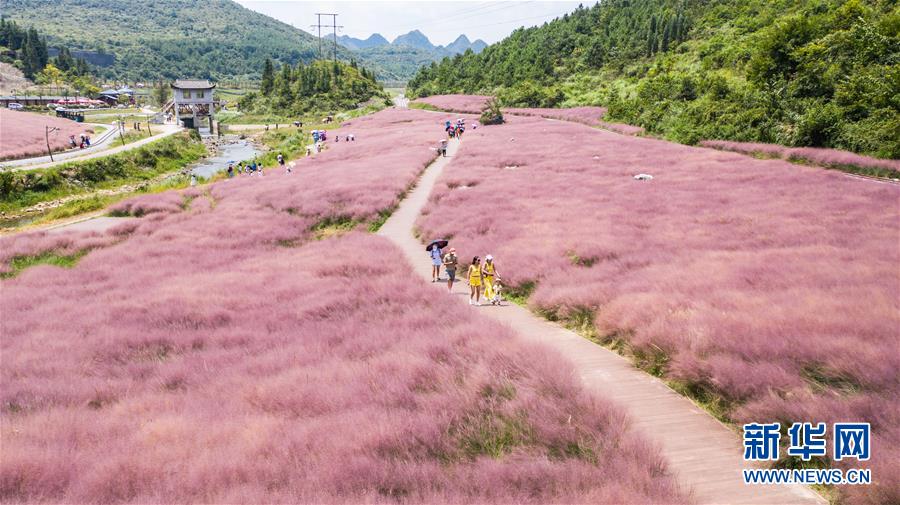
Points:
point(491, 114)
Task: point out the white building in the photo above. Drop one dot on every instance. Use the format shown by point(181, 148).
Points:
point(193, 102)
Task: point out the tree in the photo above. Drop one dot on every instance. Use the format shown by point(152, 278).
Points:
point(667, 31)
point(651, 37)
point(161, 93)
point(268, 78)
point(491, 113)
point(50, 75)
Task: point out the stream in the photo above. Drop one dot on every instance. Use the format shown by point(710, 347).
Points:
point(230, 149)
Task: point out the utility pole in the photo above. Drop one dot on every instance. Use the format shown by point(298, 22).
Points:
point(47, 131)
point(334, 26)
point(318, 25)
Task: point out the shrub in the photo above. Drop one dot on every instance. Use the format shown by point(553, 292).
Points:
point(491, 113)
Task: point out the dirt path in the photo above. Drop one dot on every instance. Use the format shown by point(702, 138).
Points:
point(704, 454)
point(106, 150)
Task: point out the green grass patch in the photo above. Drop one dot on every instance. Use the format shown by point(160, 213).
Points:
point(378, 222)
point(333, 226)
point(20, 263)
point(423, 106)
point(519, 294)
point(492, 434)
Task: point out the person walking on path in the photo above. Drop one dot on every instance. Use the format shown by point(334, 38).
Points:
point(281, 162)
point(451, 262)
point(488, 270)
point(437, 258)
point(230, 170)
point(474, 277)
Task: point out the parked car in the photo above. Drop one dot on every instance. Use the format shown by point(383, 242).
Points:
point(15, 106)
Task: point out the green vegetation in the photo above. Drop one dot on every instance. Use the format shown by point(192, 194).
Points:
point(398, 63)
point(491, 113)
point(27, 50)
point(321, 86)
point(423, 106)
point(19, 190)
point(153, 39)
point(820, 73)
point(20, 263)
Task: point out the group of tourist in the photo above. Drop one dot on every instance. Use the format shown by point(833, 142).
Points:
point(253, 168)
point(456, 130)
point(483, 278)
point(85, 141)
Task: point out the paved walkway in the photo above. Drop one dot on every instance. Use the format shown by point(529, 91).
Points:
point(704, 454)
point(99, 223)
point(66, 157)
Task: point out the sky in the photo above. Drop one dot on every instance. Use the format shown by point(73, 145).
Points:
point(440, 21)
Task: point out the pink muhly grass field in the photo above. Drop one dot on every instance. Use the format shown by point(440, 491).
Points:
point(471, 104)
point(815, 155)
point(212, 351)
point(22, 133)
point(773, 285)
point(587, 115)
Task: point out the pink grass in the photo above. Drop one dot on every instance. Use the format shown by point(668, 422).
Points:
point(774, 285)
point(815, 155)
point(22, 133)
point(587, 115)
point(471, 104)
point(216, 353)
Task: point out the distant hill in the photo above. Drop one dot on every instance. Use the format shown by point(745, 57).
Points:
point(152, 39)
point(415, 39)
point(374, 40)
point(400, 59)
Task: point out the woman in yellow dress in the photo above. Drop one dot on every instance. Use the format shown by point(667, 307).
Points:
point(474, 277)
point(488, 271)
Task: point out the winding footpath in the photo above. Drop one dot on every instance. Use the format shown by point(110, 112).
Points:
point(104, 148)
point(704, 455)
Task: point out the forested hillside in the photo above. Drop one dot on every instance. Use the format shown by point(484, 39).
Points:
point(153, 39)
point(794, 72)
point(322, 86)
point(27, 50)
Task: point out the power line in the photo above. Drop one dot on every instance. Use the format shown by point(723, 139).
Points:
point(334, 26)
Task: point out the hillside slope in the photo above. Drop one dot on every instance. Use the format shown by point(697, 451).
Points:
point(151, 39)
point(820, 73)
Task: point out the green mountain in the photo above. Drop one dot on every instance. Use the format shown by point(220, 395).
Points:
point(152, 39)
point(794, 72)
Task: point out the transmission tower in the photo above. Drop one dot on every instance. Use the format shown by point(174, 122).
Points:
point(334, 26)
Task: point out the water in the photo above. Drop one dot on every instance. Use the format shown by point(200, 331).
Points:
point(233, 150)
point(239, 150)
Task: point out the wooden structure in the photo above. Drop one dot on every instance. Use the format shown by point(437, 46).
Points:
point(192, 103)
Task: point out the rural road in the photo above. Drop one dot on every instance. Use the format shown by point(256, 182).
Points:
point(704, 455)
point(102, 149)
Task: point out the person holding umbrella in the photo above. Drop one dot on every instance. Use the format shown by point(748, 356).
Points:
point(437, 257)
